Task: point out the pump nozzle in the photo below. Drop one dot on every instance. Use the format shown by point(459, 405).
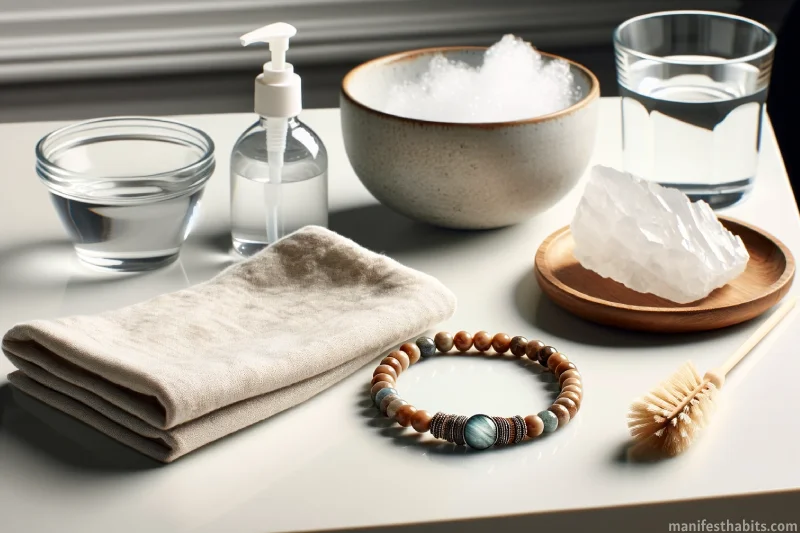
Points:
point(277, 36)
point(277, 90)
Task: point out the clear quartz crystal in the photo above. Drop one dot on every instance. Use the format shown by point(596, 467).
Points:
point(652, 239)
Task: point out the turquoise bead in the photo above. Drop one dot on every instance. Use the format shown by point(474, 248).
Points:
point(550, 421)
point(480, 432)
point(426, 346)
point(383, 393)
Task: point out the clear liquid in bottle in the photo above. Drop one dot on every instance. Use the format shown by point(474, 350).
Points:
point(301, 193)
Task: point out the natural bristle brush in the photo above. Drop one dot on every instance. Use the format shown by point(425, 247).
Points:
point(665, 421)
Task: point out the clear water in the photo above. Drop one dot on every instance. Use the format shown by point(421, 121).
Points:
point(128, 237)
point(300, 193)
point(693, 127)
point(302, 203)
point(120, 158)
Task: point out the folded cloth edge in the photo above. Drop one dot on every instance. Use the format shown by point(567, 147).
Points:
point(168, 445)
point(443, 306)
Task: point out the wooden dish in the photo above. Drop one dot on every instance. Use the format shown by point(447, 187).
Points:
point(765, 281)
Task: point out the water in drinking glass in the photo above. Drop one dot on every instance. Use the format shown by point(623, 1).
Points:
point(699, 132)
point(693, 120)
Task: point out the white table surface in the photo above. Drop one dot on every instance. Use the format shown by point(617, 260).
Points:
point(355, 469)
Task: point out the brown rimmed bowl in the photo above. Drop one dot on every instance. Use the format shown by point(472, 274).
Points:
point(463, 176)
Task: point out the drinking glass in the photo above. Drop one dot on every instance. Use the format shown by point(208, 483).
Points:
point(693, 87)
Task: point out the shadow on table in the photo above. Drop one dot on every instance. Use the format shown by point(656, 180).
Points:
point(63, 438)
point(88, 291)
point(539, 310)
point(375, 227)
point(740, 513)
point(38, 265)
point(219, 242)
point(380, 229)
point(52, 265)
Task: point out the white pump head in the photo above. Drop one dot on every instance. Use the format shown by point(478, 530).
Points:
point(278, 89)
point(277, 36)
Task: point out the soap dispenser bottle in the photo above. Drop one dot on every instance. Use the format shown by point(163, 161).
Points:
point(279, 166)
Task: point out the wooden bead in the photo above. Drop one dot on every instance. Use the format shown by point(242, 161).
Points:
point(572, 381)
point(501, 343)
point(462, 341)
point(405, 361)
point(443, 341)
point(421, 421)
point(561, 413)
point(532, 349)
point(394, 363)
point(385, 369)
point(563, 367)
point(383, 377)
point(378, 386)
point(572, 396)
point(411, 351)
point(482, 341)
point(518, 345)
point(569, 374)
point(544, 355)
point(556, 359)
point(534, 425)
point(573, 388)
point(404, 414)
point(571, 406)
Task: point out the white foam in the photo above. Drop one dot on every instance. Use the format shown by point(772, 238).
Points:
point(514, 83)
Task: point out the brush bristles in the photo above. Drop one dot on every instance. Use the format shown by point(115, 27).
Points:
point(649, 417)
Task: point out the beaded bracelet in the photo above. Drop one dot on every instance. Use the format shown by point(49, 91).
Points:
point(478, 431)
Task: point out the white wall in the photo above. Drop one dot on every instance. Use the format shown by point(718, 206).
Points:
point(76, 59)
point(45, 40)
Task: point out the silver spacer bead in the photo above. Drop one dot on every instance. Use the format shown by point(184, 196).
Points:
point(521, 428)
point(436, 425)
point(460, 424)
point(503, 430)
point(449, 427)
point(513, 431)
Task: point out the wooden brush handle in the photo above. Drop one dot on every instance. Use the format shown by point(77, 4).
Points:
point(720, 373)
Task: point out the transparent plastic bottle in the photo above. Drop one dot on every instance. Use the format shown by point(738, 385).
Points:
point(301, 193)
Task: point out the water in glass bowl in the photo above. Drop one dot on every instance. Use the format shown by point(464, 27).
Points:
point(109, 227)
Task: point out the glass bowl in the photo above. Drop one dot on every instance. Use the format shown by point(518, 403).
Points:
point(127, 189)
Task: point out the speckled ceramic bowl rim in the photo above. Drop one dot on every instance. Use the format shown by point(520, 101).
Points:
point(592, 94)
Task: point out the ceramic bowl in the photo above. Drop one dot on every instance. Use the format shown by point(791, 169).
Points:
point(464, 176)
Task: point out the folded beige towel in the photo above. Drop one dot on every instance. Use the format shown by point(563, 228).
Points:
point(171, 374)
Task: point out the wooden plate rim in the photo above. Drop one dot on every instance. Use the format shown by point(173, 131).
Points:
point(786, 276)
